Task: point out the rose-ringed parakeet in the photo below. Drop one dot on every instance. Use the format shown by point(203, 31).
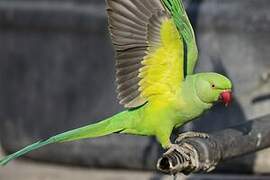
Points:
point(156, 53)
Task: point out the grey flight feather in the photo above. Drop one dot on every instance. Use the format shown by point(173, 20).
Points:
point(135, 30)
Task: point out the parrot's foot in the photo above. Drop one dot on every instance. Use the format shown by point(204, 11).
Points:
point(191, 134)
point(177, 148)
point(185, 159)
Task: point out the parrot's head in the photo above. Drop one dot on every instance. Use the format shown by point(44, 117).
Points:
point(213, 87)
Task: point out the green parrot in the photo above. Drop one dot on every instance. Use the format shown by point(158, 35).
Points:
point(156, 54)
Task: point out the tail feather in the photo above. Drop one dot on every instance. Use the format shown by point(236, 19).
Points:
point(23, 151)
point(111, 125)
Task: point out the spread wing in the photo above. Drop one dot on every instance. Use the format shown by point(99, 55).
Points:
point(182, 22)
point(149, 50)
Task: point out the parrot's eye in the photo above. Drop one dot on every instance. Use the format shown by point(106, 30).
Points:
point(213, 86)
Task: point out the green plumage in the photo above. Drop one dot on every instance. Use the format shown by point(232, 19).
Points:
point(148, 37)
point(180, 18)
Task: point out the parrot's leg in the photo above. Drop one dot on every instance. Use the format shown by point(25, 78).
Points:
point(191, 134)
point(163, 137)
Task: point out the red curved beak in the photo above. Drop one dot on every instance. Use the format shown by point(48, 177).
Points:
point(226, 97)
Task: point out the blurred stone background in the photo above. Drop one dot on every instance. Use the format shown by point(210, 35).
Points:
point(56, 74)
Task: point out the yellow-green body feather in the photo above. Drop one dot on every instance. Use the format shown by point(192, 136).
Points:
point(160, 85)
point(151, 77)
point(161, 73)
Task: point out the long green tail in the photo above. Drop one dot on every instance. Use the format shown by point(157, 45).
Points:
point(111, 125)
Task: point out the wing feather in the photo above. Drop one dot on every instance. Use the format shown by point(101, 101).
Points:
point(149, 50)
point(183, 24)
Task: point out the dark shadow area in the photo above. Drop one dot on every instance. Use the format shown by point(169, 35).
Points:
point(193, 10)
point(148, 150)
point(261, 98)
